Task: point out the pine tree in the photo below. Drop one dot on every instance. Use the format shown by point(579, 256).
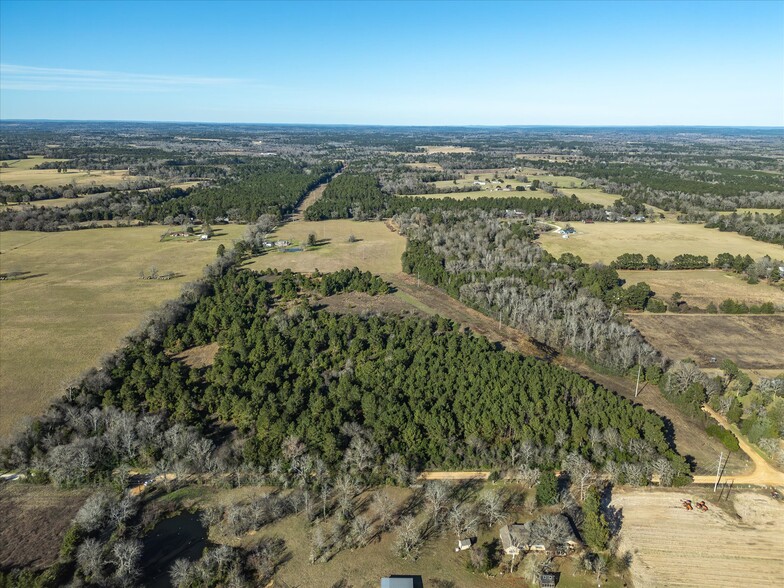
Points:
point(547, 488)
point(596, 531)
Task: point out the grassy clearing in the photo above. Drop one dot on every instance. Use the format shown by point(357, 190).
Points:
point(377, 249)
point(567, 184)
point(606, 241)
point(592, 195)
point(81, 296)
point(751, 341)
point(53, 202)
point(20, 173)
point(433, 166)
point(429, 149)
point(699, 287)
point(754, 211)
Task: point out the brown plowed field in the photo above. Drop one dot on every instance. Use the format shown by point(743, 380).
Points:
point(671, 546)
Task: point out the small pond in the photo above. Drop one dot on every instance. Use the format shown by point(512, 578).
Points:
point(182, 536)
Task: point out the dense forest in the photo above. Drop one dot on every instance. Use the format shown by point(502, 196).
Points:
point(360, 196)
point(268, 186)
point(493, 264)
point(351, 390)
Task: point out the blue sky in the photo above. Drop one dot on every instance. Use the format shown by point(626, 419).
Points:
point(476, 63)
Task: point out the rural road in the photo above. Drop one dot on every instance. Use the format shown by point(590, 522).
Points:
point(310, 199)
point(430, 476)
point(763, 475)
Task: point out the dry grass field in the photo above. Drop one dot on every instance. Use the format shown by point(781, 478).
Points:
point(56, 202)
point(568, 184)
point(35, 519)
point(606, 241)
point(755, 211)
point(751, 341)
point(20, 173)
point(81, 296)
point(699, 287)
point(592, 195)
point(433, 166)
point(670, 546)
point(377, 249)
point(430, 149)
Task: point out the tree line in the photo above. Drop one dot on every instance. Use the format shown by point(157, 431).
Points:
point(494, 265)
point(359, 196)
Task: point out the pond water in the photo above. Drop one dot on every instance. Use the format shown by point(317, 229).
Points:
point(182, 536)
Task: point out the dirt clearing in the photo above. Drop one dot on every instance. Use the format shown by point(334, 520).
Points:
point(199, 357)
point(671, 546)
point(748, 340)
point(699, 287)
point(34, 521)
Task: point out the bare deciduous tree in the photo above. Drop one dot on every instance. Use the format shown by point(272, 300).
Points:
point(126, 555)
point(492, 507)
point(436, 494)
point(409, 539)
point(89, 557)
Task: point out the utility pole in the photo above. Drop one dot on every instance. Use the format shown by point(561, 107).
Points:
point(718, 471)
point(637, 387)
point(499, 318)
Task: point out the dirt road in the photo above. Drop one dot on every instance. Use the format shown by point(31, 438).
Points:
point(763, 474)
point(430, 476)
point(309, 200)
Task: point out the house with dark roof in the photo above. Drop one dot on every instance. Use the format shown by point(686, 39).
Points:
point(555, 533)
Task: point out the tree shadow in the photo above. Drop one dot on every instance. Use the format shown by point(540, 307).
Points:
point(613, 514)
point(9, 276)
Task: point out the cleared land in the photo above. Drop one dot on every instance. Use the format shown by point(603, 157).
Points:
point(20, 173)
point(671, 546)
point(81, 295)
point(55, 202)
point(751, 341)
point(376, 249)
point(592, 195)
point(699, 287)
point(568, 184)
point(35, 519)
point(606, 241)
point(445, 149)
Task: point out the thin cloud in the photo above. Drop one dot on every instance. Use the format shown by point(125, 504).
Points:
point(49, 79)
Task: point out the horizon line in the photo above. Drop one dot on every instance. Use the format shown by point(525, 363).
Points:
point(395, 125)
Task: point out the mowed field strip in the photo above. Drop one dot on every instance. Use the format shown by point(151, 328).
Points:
point(699, 287)
point(20, 172)
point(671, 546)
point(83, 297)
point(376, 249)
point(606, 241)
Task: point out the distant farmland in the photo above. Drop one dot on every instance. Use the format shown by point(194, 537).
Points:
point(699, 287)
point(20, 172)
point(376, 249)
point(81, 295)
point(606, 241)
